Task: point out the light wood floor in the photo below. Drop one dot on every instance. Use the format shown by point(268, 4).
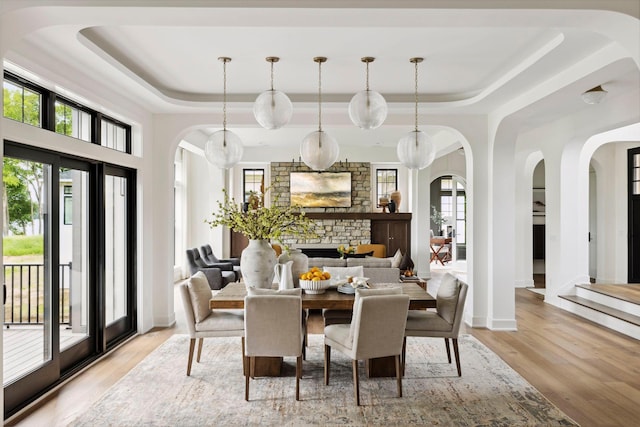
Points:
point(589, 372)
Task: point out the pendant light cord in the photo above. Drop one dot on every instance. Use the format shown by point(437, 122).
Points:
point(319, 96)
point(224, 95)
point(416, 98)
point(367, 63)
point(271, 76)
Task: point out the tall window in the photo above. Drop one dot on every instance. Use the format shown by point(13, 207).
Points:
point(252, 181)
point(386, 182)
point(21, 103)
point(72, 121)
point(447, 206)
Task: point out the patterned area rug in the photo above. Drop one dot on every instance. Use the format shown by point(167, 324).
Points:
point(158, 393)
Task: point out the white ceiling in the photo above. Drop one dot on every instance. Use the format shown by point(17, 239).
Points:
point(165, 58)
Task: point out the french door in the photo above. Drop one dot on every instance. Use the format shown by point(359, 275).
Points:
point(61, 266)
point(633, 275)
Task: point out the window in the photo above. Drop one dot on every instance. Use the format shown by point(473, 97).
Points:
point(21, 104)
point(386, 182)
point(68, 204)
point(252, 181)
point(72, 121)
point(635, 175)
point(115, 135)
point(29, 103)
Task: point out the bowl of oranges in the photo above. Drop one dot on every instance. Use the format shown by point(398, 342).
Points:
point(315, 281)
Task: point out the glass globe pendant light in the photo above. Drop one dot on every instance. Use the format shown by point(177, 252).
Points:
point(318, 149)
point(367, 109)
point(224, 148)
point(416, 149)
point(272, 108)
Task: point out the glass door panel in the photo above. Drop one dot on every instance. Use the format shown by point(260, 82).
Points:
point(115, 248)
point(74, 256)
point(28, 334)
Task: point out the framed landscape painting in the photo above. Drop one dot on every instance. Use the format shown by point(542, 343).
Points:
point(321, 189)
point(539, 205)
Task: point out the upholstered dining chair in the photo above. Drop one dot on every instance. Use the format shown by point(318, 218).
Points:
point(445, 321)
point(273, 327)
point(376, 330)
point(202, 322)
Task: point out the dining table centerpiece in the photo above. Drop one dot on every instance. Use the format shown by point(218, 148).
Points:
point(262, 225)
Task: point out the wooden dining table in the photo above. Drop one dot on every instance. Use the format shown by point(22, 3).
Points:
point(232, 297)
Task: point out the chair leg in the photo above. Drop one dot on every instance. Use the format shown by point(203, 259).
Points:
point(457, 353)
point(327, 362)
point(404, 354)
point(446, 342)
point(246, 377)
point(199, 349)
point(192, 344)
point(398, 375)
point(244, 366)
point(298, 375)
point(356, 382)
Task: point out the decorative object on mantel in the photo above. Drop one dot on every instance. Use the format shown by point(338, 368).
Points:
point(383, 202)
point(273, 108)
point(318, 149)
point(224, 148)
point(343, 251)
point(368, 109)
point(259, 225)
point(392, 206)
point(397, 198)
point(416, 149)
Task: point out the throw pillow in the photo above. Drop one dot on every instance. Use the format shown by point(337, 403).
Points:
point(344, 272)
point(362, 255)
point(261, 291)
point(397, 259)
point(200, 294)
point(361, 293)
point(406, 263)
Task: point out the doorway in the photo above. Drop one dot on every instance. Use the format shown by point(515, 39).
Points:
point(449, 200)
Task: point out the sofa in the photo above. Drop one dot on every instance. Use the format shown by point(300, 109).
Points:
point(378, 270)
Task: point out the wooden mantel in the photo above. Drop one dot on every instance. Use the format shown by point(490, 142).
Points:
point(379, 216)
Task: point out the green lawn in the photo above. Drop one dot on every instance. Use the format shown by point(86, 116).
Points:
point(22, 245)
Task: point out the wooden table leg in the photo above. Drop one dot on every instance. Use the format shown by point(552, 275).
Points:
point(381, 367)
point(266, 367)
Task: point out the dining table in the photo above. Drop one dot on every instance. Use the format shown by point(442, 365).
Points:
point(232, 297)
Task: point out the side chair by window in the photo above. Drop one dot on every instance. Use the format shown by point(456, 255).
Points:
point(206, 253)
point(202, 322)
point(218, 275)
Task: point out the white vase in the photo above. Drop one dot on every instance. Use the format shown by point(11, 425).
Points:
point(300, 264)
point(257, 262)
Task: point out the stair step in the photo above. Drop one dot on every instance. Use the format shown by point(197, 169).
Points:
point(628, 293)
point(618, 314)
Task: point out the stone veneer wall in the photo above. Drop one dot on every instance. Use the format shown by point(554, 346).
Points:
point(331, 232)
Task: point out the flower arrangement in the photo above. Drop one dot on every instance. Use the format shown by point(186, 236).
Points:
point(260, 222)
point(343, 251)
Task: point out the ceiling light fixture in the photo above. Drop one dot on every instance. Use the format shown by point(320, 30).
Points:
point(318, 149)
point(595, 95)
point(224, 148)
point(272, 108)
point(367, 109)
point(416, 149)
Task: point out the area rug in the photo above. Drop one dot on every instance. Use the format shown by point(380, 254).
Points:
point(157, 391)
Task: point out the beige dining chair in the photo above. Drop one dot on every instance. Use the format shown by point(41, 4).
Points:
point(202, 322)
point(273, 327)
point(376, 330)
point(445, 321)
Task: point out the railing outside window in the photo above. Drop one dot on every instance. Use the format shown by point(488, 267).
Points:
point(25, 294)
